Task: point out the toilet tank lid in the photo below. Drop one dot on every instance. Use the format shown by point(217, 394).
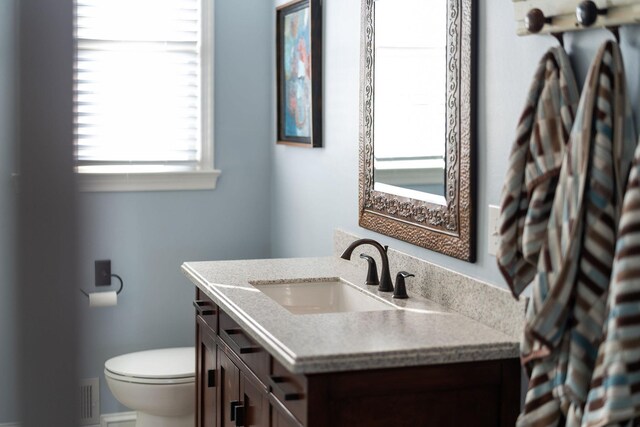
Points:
point(161, 363)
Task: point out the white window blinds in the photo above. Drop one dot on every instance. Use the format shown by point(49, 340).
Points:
point(139, 86)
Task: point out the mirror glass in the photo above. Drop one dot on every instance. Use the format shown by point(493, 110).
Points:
point(409, 105)
point(416, 122)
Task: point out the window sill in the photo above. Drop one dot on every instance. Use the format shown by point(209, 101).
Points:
point(147, 181)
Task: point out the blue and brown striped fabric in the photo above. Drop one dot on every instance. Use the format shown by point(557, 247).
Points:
point(566, 314)
point(615, 388)
point(534, 164)
point(614, 397)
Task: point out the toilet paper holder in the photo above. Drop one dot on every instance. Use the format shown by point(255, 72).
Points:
point(117, 292)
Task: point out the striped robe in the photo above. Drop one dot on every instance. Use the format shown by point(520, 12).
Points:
point(615, 389)
point(566, 314)
point(534, 164)
point(614, 397)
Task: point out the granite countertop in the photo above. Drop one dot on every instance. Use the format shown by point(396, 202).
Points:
point(419, 332)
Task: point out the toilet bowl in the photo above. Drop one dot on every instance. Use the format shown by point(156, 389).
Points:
point(158, 384)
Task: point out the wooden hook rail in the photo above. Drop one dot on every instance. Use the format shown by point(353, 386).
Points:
point(559, 16)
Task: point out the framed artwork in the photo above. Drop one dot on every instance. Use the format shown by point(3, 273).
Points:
point(299, 73)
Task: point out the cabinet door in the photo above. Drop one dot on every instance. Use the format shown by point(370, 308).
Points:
point(228, 391)
point(256, 404)
point(206, 380)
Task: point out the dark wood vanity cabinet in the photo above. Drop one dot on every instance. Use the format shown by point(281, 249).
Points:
point(243, 400)
point(248, 387)
point(206, 361)
point(228, 389)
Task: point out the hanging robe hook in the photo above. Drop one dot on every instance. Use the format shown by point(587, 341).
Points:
point(535, 20)
point(560, 38)
point(615, 30)
point(587, 12)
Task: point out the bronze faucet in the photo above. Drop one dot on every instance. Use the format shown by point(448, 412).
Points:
point(385, 277)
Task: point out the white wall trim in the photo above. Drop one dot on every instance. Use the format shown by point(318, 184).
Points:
point(167, 181)
point(118, 419)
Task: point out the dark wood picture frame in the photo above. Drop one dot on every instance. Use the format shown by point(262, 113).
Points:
point(312, 116)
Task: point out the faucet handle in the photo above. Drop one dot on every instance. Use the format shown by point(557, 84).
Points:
point(372, 272)
point(400, 290)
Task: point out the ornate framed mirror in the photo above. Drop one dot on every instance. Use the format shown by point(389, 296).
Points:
point(417, 123)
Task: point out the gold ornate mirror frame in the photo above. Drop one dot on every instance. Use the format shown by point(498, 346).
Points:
point(445, 228)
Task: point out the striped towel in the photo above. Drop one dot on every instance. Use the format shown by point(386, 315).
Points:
point(534, 164)
point(566, 315)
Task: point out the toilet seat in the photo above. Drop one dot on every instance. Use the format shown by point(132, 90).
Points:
point(163, 366)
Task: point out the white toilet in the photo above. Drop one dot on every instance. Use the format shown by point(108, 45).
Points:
point(158, 384)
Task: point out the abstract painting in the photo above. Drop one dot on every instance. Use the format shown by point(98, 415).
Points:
point(299, 68)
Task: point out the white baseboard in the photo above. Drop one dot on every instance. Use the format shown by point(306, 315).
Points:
point(119, 419)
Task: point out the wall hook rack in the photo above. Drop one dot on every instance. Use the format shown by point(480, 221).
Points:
point(560, 16)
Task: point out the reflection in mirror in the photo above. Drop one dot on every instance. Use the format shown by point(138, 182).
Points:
point(409, 105)
point(416, 122)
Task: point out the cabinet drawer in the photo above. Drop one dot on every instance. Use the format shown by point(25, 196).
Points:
point(289, 389)
point(206, 310)
point(247, 350)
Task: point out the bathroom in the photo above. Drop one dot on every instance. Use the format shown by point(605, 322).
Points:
point(288, 205)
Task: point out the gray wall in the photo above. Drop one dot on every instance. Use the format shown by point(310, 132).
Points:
point(315, 191)
point(148, 235)
point(8, 403)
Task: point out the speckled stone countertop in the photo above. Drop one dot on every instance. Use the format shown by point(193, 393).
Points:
point(419, 332)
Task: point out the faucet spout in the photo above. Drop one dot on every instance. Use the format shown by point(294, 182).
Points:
point(385, 277)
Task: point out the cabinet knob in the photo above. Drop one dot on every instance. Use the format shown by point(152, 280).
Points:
point(279, 385)
point(211, 378)
point(237, 412)
point(239, 342)
point(203, 308)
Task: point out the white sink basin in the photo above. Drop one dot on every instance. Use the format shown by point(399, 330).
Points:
point(334, 296)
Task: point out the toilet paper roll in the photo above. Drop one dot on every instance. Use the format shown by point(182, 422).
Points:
point(103, 299)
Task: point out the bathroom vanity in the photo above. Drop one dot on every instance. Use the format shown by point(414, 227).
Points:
point(268, 357)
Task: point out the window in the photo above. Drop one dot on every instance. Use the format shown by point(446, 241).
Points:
point(144, 94)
